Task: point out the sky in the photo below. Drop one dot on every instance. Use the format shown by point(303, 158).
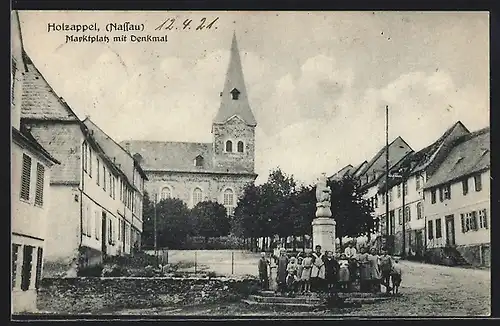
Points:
point(318, 82)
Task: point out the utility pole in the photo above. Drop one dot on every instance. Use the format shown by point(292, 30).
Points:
point(403, 174)
point(154, 216)
point(387, 171)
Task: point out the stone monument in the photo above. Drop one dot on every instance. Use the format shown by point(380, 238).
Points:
point(323, 226)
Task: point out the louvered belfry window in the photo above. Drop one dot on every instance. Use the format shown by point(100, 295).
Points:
point(40, 173)
point(26, 177)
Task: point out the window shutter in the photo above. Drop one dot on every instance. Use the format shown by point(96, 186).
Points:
point(463, 222)
point(474, 221)
point(441, 196)
point(26, 177)
point(39, 260)
point(485, 216)
point(40, 177)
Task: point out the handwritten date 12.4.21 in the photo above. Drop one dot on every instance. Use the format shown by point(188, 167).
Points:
point(187, 24)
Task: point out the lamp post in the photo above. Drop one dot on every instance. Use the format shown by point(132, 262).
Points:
point(387, 171)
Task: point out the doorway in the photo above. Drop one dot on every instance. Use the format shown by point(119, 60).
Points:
point(450, 230)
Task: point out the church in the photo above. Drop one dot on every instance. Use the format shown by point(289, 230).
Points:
point(216, 171)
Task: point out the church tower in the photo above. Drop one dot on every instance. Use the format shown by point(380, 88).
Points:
point(233, 128)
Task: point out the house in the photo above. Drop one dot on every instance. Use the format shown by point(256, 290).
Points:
point(217, 171)
point(98, 208)
point(30, 198)
point(369, 174)
point(409, 177)
point(131, 188)
point(457, 201)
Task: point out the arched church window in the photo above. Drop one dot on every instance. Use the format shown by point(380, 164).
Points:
point(229, 201)
point(166, 192)
point(235, 94)
point(240, 147)
point(197, 196)
point(229, 146)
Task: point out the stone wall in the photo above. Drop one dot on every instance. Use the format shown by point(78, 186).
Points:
point(107, 294)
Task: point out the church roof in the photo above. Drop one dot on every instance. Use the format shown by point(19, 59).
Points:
point(234, 83)
point(174, 156)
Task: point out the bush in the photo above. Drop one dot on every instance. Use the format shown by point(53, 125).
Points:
point(220, 243)
point(115, 270)
point(91, 271)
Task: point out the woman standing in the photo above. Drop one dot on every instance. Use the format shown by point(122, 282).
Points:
point(282, 273)
point(331, 270)
point(375, 274)
point(318, 270)
point(364, 270)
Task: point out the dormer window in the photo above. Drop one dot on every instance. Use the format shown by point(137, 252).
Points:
point(229, 146)
point(235, 93)
point(198, 161)
point(240, 147)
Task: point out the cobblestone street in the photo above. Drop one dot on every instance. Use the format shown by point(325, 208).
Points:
point(426, 290)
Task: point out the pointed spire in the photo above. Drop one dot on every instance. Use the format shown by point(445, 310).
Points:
point(234, 97)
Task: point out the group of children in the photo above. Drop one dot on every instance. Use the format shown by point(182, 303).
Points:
point(325, 272)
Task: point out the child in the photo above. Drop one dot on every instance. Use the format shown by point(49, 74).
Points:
point(300, 270)
point(331, 271)
point(396, 276)
point(263, 272)
point(306, 273)
point(291, 279)
point(385, 269)
point(344, 276)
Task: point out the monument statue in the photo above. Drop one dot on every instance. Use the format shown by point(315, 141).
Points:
point(323, 226)
point(323, 195)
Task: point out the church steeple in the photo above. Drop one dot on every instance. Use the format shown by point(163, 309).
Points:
point(234, 97)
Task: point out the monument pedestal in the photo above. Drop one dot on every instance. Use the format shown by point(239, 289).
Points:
point(323, 233)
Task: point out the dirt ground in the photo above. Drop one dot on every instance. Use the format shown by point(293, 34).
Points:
point(426, 290)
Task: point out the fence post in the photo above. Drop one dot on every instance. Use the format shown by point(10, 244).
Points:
point(232, 262)
point(195, 261)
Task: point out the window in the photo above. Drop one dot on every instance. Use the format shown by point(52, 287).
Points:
point(483, 219)
point(383, 199)
point(405, 188)
point(419, 211)
point(110, 183)
point(27, 266)
point(399, 190)
point(121, 190)
point(90, 162)
point(26, 177)
point(89, 222)
point(417, 182)
point(197, 196)
point(104, 177)
point(198, 161)
point(408, 213)
point(447, 192)
point(98, 167)
point(477, 182)
point(229, 146)
point(166, 192)
point(430, 230)
point(40, 173)
point(390, 194)
point(392, 222)
point(465, 186)
point(438, 228)
point(400, 216)
point(97, 225)
point(433, 196)
point(235, 94)
point(469, 222)
point(39, 262)
point(376, 201)
point(229, 201)
point(84, 156)
point(240, 147)
point(15, 254)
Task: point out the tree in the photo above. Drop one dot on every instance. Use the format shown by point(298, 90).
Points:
point(352, 213)
point(246, 214)
point(173, 222)
point(211, 220)
point(302, 212)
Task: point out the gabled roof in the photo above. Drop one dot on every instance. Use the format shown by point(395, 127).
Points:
point(470, 154)
point(234, 80)
point(39, 100)
point(17, 46)
point(25, 136)
point(341, 173)
point(425, 156)
point(125, 162)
